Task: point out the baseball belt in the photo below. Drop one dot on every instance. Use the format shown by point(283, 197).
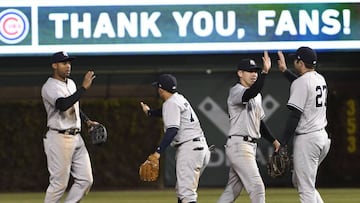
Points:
point(197, 139)
point(245, 138)
point(71, 131)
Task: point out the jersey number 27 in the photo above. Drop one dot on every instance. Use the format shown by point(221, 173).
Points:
point(321, 95)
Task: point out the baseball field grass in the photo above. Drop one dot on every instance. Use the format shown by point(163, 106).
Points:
point(206, 195)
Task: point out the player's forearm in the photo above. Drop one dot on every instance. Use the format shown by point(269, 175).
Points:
point(65, 103)
point(155, 112)
point(290, 75)
point(291, 125)
point(168, 137)
point(266, 133)
point(255, 88)
point(84, 117)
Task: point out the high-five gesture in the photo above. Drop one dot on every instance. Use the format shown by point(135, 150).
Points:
point(64, 145)
point(281, 61)
point(266, 62)
point(145, 107)
point(88, 78)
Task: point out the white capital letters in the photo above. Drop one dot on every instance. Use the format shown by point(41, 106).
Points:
point(59, 19)
point(104, 26)
point(264, 22)
point(76, 25)
point(219, 23)
point(286, 23)
point(206, 17)
point(126, 24)
point(333, 25)
point(148, 23)
point(305, 21)
point(182, 21)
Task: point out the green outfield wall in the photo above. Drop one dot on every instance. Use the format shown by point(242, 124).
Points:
point(123, 81)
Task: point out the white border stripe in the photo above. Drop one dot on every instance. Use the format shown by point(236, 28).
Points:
point(174, 47)
point(6, 3)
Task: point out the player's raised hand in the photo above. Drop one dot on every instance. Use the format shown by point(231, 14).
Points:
point(88, 78)
point(281, 61)
point(145, 107)
point(266, 62)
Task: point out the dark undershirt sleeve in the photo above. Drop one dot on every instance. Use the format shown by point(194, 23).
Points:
point(168, 137)
point(255, 88)
point(290, 75)
point(65, 103)
point(266, 133)
point(291, 125)
point(155, 112)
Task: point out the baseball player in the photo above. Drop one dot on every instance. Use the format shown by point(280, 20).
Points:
point(64, 147)
point(307, 120)
point(246, 127)
point(182, 131)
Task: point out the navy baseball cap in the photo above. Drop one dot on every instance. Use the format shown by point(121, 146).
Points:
point(167, 82)
point(61, 56)
point(305, 54)
point(248, 65)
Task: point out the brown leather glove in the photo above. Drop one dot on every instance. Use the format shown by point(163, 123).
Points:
point(149, 170)
point(279, 163)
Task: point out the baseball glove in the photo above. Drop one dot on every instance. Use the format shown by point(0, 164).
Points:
point(98, 134)
point(279, 163)
point(149, 170)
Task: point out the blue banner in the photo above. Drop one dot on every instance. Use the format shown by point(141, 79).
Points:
point(123, 28)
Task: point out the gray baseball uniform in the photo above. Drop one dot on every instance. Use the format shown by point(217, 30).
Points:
point(246, 127)
point(192, 154)
point(307, 121)
point(311, 144)
point(64, 147)
point(244, 121)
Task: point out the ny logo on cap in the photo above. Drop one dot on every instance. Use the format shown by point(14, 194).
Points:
point(252, 62)
point(65, 54)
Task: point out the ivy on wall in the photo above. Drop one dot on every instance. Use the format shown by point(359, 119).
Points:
point(132, 136)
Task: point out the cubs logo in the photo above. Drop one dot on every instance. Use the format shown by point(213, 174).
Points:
point(14, 26)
